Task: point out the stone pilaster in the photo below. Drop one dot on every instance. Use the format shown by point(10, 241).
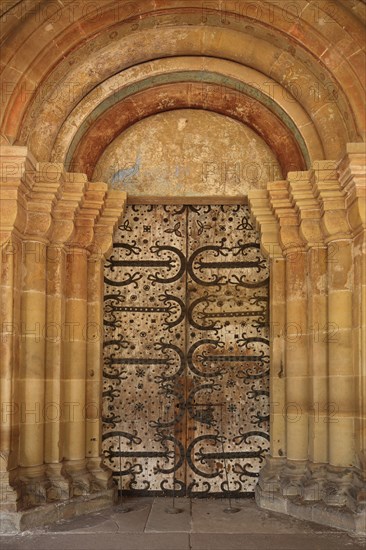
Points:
point(75, 341)
point(13, 164)
point(352, 177)
point(268, 228)
point(296, 330)
point(340, 297)
point(114, 205)
point(70, 195)
point(42, 197)
point(308, 210)
point(9, 335)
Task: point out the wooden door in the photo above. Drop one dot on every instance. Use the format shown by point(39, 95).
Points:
point(186, 351)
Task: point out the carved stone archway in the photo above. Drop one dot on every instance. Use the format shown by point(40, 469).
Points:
point(56, 231)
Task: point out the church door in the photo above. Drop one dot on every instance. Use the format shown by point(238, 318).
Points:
point(186, 352)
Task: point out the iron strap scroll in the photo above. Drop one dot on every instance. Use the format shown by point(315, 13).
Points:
point(186, 352)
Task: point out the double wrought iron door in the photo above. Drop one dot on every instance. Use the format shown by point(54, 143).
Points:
point(186, 351)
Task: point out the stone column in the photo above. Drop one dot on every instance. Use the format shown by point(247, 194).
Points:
point(341, 383)
point(40, 202)
point(267, 225)
point(103, 241)
point(13, 163)
point(352, 177)
point(296, 336)
point(8, 495)
point(308, 209)
point(71, 191)
point(341, 376)
point(296, 360)
point(75, 340)
point(318, 339)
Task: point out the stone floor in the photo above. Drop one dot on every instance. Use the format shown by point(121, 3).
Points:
point(202, 525)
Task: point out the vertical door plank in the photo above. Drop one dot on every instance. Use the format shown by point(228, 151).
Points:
point(144, 361)
point(228, 352)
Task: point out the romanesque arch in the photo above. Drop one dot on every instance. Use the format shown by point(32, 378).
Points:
point(75, 77)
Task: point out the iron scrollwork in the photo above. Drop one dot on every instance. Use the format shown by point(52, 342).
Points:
point(186, 352)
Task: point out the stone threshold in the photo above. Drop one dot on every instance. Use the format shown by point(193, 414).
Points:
point(318, 512)
point(42, 516)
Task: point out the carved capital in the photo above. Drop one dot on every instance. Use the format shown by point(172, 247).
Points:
point(15, 163)
point(352, 178)
point(282, 206)
point(307, 206)
point(88, 215)
point(70, 198)
point(114, 206)
point(327, 189)
point(265, 222)
point(43, 194)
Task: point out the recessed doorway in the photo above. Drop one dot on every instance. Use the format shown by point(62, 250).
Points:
point(186, 351)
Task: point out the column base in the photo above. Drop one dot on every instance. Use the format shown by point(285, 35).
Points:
point(80, 477)
point(8, 494)
point(101, 475)
point(320, 493)
point(31, 484)
point(40, 516)
point(58, 487)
